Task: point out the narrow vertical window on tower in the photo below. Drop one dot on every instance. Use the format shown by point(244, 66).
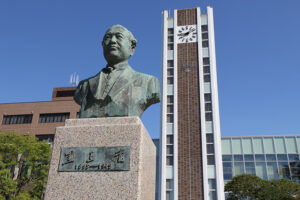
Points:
point(204, 29)
point(169, 187)
point(170, 39)
point(170, 142)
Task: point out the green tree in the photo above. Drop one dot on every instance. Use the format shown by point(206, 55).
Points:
point(24, 164)
point(254, 188)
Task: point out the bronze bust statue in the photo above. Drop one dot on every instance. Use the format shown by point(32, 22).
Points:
point(117, 90)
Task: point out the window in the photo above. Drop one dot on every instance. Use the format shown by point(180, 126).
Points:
point(247, 146)
point(206, 78)
point(170, 118)
point(204, 44)
point(170, 72)
point(206, 61)
point(49, 138)
point(258, 145)
point(227, 158)
point(238, 157)
point(269, 146)
point(250, 168)
point(227, 170)
point(293, 157)
point(236, 144)
point(206, 69)
point(272, 170)
point(271, 157)
point(204, 28)
point(227, 164)
point(169, 160)
point(284, 170)
point(208, 116)
point(204, 36)
point(65, 93)
point(261, 170)
point(17, 119)
point(209, 138)
point(259, 157)
point(227, 176)
point(249, 157)
point(209, 127)
point(170, 63)
point(170, 31)
point(291, 145)
point(169, 108)
point(249, 164)
point(170, 149)
point(208, 107)
point(169, 139)
point(170, 39)
point(226, 146)
point(169, 184)
point(170, 129)
point(170, 47)
point(170, 81)
point(210, 159)
point(210, 149)
point(53, 117)
point(238, 168)
point(295, 169)
point(170, 99)
point(282, 157)
point(279, 145)
point(212, 184)
point(169, 195)
point(207, 97)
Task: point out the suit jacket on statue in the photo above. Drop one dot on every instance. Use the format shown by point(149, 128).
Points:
point(125, 93)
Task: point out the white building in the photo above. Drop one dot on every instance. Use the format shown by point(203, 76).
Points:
point(190, 156)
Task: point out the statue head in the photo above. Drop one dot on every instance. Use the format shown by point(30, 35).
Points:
point(118, 44)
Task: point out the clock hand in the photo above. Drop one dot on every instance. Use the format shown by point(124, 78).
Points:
point(187, 33)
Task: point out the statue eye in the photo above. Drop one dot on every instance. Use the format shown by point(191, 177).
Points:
point(119, 36)
point(107, 37)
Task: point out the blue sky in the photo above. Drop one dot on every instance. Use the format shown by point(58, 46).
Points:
point(257, 45)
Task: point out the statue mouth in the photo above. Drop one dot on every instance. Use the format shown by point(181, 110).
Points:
point(113, 47)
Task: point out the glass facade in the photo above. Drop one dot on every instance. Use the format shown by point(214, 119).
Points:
point(269, 157)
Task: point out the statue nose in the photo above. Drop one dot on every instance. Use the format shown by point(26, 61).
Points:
point(113, 39)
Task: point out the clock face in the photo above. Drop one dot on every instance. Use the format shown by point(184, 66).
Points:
point(187, 34)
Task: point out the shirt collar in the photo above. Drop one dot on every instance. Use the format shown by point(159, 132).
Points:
point(118, 66)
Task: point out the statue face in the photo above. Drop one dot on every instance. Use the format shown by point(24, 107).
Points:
point(116, 45)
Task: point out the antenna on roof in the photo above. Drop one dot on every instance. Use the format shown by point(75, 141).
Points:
point(77, 79)
point(74, 78)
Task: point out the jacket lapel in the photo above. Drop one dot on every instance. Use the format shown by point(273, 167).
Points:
point(126, 78)
point(116, 84)
point(94, 83)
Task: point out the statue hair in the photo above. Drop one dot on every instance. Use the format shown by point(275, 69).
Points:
point(130, 35)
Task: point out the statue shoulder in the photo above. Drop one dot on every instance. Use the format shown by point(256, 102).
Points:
point(152, 86)
point(90, 78)
point(83, 88)
point(145, 77)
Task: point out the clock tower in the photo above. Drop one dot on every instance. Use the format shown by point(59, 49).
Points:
point(190, 156)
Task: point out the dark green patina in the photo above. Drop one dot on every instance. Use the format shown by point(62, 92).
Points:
point(117, 90)
point(84, 159)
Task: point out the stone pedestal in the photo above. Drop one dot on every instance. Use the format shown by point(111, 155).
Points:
point(138, 183)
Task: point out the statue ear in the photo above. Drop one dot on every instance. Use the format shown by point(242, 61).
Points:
point(133, 46)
